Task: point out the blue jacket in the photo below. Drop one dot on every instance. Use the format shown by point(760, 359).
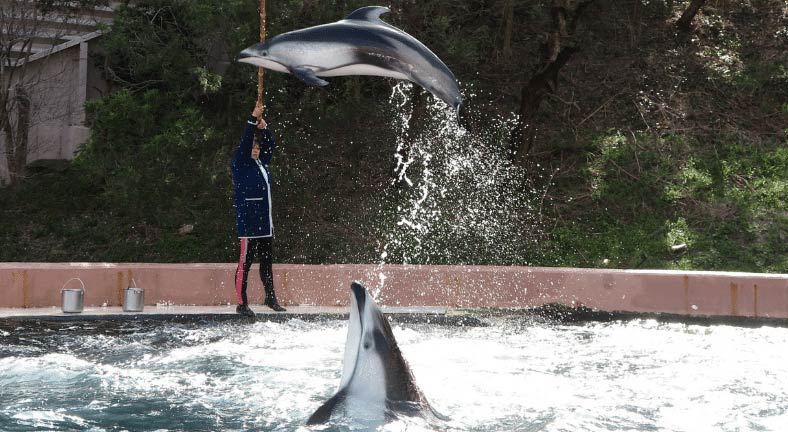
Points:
point(253, 184)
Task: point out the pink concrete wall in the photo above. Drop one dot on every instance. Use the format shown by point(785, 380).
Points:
point(691, 293)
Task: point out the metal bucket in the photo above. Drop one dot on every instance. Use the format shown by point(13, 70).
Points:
point(133, 299)
point(72, 300)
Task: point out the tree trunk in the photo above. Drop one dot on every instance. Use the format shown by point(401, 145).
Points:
point(634, 25)
point(507, 25)
point(16, 137)
point(560, 46)
point(532, 95)
point(685, 22)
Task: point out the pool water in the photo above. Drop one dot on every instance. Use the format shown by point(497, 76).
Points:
point(514, 374)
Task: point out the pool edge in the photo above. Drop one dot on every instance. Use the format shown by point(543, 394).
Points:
point(681, 293)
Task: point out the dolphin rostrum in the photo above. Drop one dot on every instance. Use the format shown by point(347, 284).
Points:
point(376, 381)
point(361, 44)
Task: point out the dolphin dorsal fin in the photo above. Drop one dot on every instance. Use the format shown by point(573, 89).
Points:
point(368, 13)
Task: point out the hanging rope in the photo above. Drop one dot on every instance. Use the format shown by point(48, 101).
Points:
point(259, 69)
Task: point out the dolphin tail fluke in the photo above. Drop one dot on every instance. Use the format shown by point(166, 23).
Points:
point(308, 76)
point(323, 414)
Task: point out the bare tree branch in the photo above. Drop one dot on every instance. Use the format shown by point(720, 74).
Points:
point(560, 46)
point(30, 29)
point(685, 22)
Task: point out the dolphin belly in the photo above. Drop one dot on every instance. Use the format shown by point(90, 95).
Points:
point(363, 69)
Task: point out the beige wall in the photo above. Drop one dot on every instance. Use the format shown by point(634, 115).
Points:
point(61, 82)
point(25, 285)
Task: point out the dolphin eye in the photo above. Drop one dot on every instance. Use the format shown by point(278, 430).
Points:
point(264, 53)
point(367, 345)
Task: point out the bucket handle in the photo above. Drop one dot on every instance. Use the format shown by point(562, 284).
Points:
point(75, 278)
point(132, 284)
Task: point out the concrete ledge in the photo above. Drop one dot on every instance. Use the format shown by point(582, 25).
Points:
point(37, 285)
point(11, 317)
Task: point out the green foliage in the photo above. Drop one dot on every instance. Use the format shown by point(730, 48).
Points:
point(729, 206)
point(175, 46)
point(209, 82)
point(653, 142)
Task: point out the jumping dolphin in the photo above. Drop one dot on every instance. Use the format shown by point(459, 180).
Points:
point(361, 44)
point(376, 380)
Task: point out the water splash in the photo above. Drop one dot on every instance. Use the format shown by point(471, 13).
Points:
point(461, 200)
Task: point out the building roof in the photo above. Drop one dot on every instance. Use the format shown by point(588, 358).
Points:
point(35, 35)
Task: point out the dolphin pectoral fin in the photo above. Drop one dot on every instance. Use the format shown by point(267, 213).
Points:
point(323, 414)
point(308, 76)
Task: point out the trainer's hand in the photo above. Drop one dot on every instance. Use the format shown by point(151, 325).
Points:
point(261, 124)
point(257, 112)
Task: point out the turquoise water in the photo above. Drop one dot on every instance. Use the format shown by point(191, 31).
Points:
point(514, 374)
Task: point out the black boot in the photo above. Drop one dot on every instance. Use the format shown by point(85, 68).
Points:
point(273, 304)
point(244, 310)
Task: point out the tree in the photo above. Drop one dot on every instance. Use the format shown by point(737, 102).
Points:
point(559, 47)
point(685, 22)
point(507, 25)
point(28, 30)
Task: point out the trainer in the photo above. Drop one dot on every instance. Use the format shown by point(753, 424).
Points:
point(254, 219)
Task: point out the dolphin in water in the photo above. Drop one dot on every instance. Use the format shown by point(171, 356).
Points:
point(376, 381)
point(361, 44)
